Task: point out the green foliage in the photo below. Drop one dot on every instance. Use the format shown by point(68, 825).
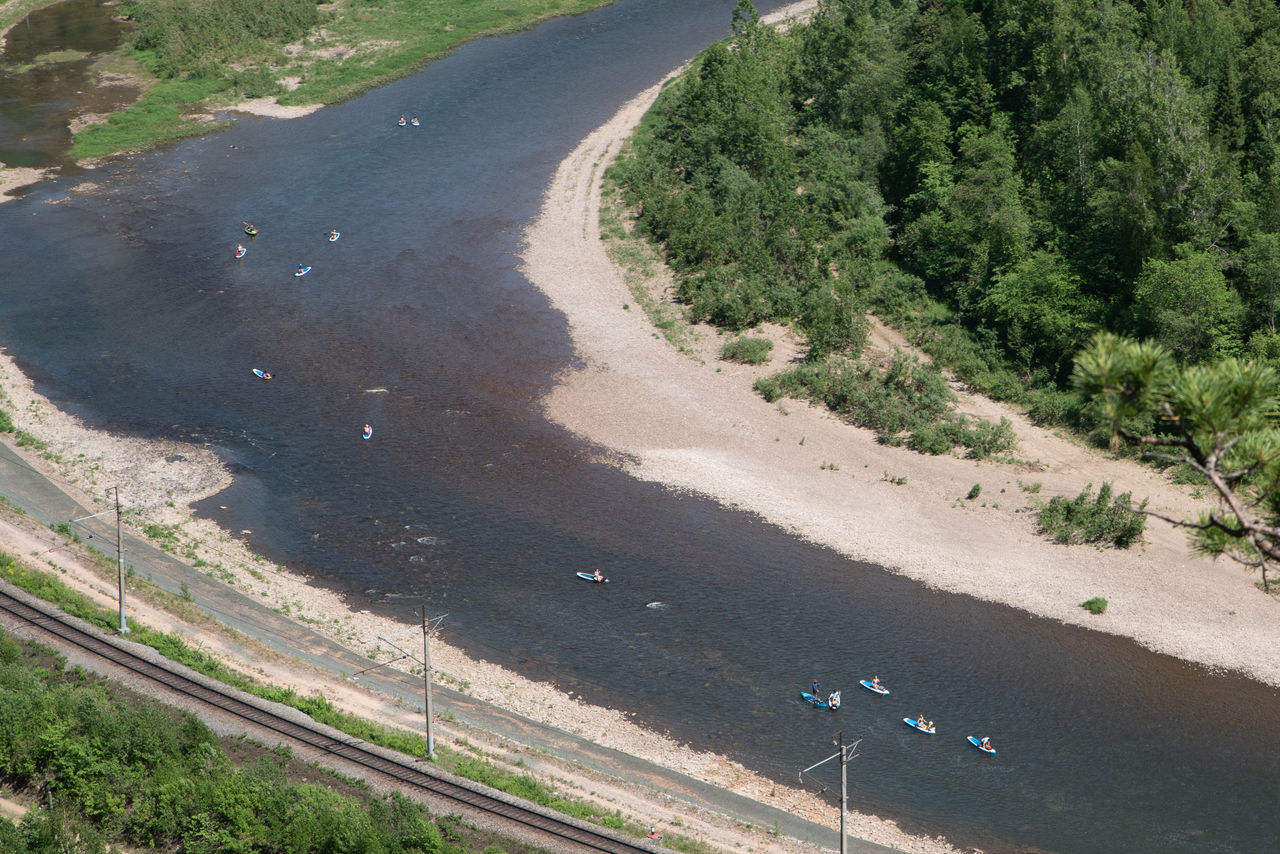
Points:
point(974, 491)
point(1096, 605)
point(1086, 519)
point(1217, 419)
point(198, 38)
point(6, 423)
point(127, 770)
point(747, 350)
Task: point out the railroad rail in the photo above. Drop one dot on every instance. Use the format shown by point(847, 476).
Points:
point(49, 620)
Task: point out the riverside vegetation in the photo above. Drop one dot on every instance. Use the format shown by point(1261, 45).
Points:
point(1003, 183)
point(113, 767)
point(200, 55)
point(93, 808)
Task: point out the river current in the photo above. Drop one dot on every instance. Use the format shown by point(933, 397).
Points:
point(126, 307)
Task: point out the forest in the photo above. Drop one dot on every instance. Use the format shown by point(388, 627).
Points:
point(1001, 180)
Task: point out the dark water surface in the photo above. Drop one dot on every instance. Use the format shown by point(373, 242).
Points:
point(127, 307)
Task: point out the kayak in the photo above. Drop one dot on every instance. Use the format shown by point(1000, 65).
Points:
point(879, 689)
point(977, 742)
point(240, 252)
point(250, 230)
point(912, 722)
point(816, 701)
point(261, 374)
point(334, 235)
point(590, 576)
point(302, 272)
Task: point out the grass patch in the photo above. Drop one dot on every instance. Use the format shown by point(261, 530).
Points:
point(1086, 519)
point(747, 350)
point(1096, 605)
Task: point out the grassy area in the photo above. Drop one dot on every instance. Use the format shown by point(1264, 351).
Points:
point(204, 56)
point(50, 588)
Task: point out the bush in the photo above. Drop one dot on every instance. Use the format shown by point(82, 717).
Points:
point(748, 351)
point(1096, 605)
point(974, 491)
point(1085, 519)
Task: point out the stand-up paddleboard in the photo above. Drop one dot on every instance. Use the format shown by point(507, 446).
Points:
point(590, 576)
point(240, 251)
point(302, 271)
point(334, 235)
point(816, 701)
point(912, 722)
point(977, 742)
point(367, 433)
point(879, 689)
point(261, 374)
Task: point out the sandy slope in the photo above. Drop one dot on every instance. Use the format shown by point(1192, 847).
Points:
point(695, 424)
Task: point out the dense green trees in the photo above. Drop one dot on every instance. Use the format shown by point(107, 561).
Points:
point(1016, 175)
point(107, 766)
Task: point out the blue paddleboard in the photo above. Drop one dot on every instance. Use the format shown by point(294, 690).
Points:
point(303, 271)
point(588, 576)
point(977, 742)
point(912, 722)
point(809, 698)
point(879, 689)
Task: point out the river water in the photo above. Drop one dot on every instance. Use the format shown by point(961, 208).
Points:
point(126, 307)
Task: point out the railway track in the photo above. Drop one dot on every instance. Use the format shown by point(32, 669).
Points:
point(49, 620)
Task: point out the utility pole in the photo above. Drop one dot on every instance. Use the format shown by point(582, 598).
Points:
point(124, 625)
point(845, 754)
point(115, 490)
point(426, 673)
point(426, 681)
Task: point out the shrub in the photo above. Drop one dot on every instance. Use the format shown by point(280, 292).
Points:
point(748, 351)
point(1096, 605)
point(974, 491)
point(1085, 519)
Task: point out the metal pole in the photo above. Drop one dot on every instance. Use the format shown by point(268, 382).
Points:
point(844, 795)
point(426, 681)
point(124, 626)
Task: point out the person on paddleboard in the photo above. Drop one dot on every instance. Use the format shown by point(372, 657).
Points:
point(875, 682)
point(986, 742)
point(598, 575)
point(415, 121)
point(402, 122)
point(301, 269)
point(817, 686)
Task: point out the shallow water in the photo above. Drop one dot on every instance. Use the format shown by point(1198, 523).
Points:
point(45, 80)
point(128, 308)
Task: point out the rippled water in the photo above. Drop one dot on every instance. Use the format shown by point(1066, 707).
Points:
point(127, 307)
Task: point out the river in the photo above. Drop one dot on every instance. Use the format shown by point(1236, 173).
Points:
point(126, 307)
